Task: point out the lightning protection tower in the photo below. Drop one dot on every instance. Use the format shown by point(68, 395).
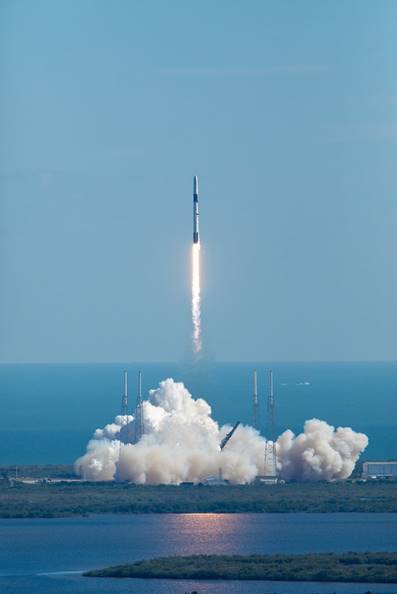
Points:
point(255, 403)
point(124, 400)
point(270, 407)
point(126, 433)
point(270, 446)
point(139, 428)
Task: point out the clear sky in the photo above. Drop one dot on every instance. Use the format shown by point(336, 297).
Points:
point(287, 112)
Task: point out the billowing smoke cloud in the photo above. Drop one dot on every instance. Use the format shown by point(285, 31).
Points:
point(181, 443)
point(320, 452)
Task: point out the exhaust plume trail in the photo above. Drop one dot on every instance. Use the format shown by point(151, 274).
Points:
point(196, 297)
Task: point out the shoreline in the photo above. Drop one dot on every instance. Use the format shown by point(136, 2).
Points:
point(71, 499)
point(351, 567)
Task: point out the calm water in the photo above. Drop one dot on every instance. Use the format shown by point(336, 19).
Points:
point(48, 412)
point(46, 556)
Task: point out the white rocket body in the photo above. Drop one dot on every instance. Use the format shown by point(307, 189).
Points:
point(196, 233)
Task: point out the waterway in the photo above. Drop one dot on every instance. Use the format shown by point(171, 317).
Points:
point(47, 556)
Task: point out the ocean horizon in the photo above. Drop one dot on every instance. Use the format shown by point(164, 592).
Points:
point(50, 410)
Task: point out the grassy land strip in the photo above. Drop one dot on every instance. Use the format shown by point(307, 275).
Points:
point(348, 567)
point(67, 499)
point(39, 471)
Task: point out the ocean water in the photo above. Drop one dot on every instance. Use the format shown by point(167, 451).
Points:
point(48, 412)
point(40, 556)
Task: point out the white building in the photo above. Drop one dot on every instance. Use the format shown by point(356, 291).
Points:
point(379, 470)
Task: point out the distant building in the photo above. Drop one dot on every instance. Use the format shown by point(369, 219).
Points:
point(267, 480)
point(214, 480)
point(380, 470)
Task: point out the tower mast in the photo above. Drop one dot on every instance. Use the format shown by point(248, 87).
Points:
point(255, 403)
point(139, 427)
point(270, 406)
point(124, 400)
point(270, 445)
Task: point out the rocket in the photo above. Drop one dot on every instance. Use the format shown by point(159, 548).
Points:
point(196, 235)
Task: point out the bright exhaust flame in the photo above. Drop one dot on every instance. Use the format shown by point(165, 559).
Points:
point(196, 299)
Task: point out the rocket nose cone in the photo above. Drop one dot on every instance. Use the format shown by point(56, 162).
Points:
point(195, 185)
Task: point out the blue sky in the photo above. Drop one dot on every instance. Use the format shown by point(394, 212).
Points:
point(287, 113)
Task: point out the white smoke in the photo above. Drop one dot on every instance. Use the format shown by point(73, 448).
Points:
point(181, 443)
point(196, 299)
point(320, 452)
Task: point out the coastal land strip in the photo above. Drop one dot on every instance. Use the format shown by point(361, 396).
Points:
point(368, 568)
point(59, 494)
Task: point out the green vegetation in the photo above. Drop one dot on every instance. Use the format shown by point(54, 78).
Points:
point(18, 500)
point(326, 567)
point(58, 471)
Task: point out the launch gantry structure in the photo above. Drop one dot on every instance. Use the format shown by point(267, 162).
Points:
point(139, 420)
point(228, 436)
point(270, 445)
